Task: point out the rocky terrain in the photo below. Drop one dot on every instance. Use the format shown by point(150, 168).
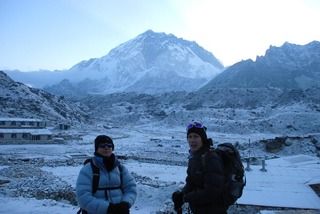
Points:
point(19, 100)
point(278, 111)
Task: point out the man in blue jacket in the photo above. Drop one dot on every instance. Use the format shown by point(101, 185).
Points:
point(115, 190)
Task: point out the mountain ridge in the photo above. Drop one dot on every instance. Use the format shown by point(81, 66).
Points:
point(288, 66)
point(19, 100)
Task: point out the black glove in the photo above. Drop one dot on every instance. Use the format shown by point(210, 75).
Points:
point(121, 208)
point(124, 207)
point(112, 208)
point(177, 198)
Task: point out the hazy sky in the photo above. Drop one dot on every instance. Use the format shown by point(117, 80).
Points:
point(57, 34)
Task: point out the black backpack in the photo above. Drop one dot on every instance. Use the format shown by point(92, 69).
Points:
point(233, 170)
point(96, 178)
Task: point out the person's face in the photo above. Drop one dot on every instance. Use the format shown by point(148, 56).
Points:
point(105, 149)
point(195, 142)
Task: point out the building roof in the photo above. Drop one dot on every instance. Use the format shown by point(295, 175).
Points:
point(284, 184)
point(19, 119)
point(31, 131)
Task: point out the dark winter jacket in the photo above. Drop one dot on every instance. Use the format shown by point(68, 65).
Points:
point(99, 202)
point(205, 183)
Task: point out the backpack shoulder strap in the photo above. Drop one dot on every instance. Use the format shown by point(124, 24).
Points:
point(203, 160)
point(204, 156)
point(95, 175)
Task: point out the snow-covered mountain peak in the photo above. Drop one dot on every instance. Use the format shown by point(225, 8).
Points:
point(151, 62)
point(152, 45)
point(147, 59)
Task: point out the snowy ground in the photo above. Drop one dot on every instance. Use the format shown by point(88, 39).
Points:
point(284, 184)
point(157, 158)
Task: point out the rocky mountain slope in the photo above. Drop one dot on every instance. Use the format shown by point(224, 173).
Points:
point(281, 111)
point(288, 66)
point(19, 100)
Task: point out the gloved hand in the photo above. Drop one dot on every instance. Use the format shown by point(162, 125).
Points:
point(120, 208)
point(112, 208)
point(124, 207)
point(177, 198)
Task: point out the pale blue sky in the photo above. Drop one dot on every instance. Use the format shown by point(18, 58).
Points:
point(57, 34)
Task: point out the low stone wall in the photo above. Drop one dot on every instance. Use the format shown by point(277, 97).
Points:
point(30, 181)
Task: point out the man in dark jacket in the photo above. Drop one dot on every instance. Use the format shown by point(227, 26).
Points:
point(205, 176)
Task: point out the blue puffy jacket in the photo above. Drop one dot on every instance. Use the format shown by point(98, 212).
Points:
point(98, 202)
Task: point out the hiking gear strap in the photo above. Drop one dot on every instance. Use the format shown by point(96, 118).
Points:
point(95, 178)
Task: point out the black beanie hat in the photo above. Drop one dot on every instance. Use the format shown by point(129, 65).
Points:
point(202, 133)
point(102, 139)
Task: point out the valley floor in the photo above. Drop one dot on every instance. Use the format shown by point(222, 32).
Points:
point(157, 158)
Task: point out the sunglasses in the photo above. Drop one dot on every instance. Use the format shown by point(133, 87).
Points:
point(105, 145)
point(196, 125)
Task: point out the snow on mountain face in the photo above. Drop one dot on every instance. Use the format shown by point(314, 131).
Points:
point(167, 52)
point(165, 81)
point(288, 66)
point(149, 57)
point(19, 100)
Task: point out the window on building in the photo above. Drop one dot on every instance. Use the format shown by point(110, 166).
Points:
point(25, 135)
point(2, 123)
point(31, 123)
point(14, 135)
point(35, 137)
point(1, 135)
point(13, 123)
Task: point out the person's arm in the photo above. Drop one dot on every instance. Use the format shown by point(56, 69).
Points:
point(84, 193)
point(187, 187)
point(129, 187)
